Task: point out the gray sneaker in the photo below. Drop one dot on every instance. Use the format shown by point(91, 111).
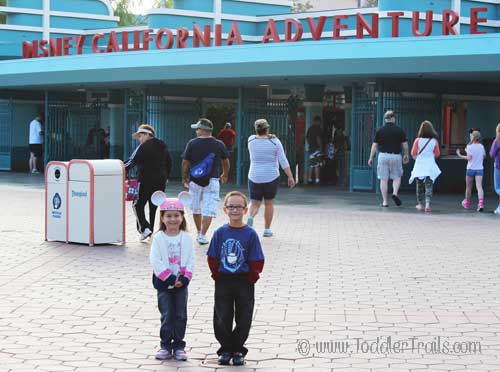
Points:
point(180, 355)
point(163, 354)
point(267, 233)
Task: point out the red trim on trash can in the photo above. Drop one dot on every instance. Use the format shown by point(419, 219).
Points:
point(123, 201)
point(91, 199)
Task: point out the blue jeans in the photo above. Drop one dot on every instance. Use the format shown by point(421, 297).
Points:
point(173, 309)
point(497, 181)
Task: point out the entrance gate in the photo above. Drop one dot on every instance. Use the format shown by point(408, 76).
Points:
point(5, 134)
point(72, 131)
point(368, 110)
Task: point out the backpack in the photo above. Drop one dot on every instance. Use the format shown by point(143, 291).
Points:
point(201, 172)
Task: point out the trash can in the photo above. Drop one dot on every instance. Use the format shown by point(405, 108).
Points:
point(56, 201)
point(96, 201)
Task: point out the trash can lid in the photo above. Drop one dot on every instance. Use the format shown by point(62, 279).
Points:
point(82, 170)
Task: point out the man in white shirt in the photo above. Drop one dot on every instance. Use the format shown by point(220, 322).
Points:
point(35, 142)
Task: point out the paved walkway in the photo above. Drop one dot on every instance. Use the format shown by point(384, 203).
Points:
point(340, 274)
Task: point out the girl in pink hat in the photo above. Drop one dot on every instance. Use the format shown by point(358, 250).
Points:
point(172, 258)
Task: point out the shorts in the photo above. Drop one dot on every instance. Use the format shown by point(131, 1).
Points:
point(389, 166)
point(474, 172)
point(205, 199)
point(266, 191)
point(36, 149)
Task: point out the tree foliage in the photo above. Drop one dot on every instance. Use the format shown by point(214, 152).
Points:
point(122, 9)
point(299, 6)
point(370, 3)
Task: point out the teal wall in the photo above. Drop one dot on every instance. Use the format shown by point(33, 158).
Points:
point(92, 6)
point(199, 5)
point(252, 9)
point(483, 115)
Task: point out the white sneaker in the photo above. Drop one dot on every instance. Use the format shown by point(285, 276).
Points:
point(146, 233)
point(317, 181)
point(497, 211)
point(267, 233)
point(202, 239)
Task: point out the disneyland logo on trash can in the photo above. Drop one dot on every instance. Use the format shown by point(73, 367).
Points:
point(78, 194)
point(164, 38)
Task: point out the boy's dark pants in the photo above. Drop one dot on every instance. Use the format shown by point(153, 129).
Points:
point(173, 308)
point(234, 299)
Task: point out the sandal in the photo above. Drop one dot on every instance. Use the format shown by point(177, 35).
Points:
point(396, 199)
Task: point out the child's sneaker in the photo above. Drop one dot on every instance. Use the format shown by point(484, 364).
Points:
point(238, 359)
point(224, 359)
point(163, 354)
point(480, 205)
point(180, 355)
point(466, 203)
point(267, 233)
point(250, 221)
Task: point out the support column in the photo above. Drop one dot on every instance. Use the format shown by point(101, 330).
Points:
point(116, 130)
point(238, 140)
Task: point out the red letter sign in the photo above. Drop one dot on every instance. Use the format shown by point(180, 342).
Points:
point(448, 22)
point(474, 20)
point(337, 26)
point(362, 25)
point(199, 36)
point(316, 31)
point(395, 22)
point(182, 35)
point(234, 35)
point(27, 49)
point(159, 36)
point(289, 23)
point(95, 40)
point(428, 23)
point(271, 32)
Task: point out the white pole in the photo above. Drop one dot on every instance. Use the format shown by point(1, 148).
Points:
point(46, 19)
point(457, 6)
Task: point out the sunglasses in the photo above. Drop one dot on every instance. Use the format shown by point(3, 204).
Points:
point(235, 207)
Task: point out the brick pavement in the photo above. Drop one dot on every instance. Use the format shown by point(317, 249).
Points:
point(337, 269)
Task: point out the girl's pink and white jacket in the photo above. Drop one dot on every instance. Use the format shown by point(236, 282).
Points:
point(172, 258)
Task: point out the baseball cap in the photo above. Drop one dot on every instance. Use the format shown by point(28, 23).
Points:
point(203, 124)
point(261, 124)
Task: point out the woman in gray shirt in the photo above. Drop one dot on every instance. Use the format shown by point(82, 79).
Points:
point(266, 155)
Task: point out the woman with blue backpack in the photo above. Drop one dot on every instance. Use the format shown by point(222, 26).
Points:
point(202, 174)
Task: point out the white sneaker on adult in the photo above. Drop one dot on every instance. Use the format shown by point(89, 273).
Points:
point(146, 233)
point(497, 211)
point(202, 239)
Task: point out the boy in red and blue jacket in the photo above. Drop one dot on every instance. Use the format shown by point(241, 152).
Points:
point(235, 259)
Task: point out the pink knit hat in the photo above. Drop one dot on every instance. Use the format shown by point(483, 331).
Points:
point(171, 204)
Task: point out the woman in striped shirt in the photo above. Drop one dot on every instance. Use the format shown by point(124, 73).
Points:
point(266, 155)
